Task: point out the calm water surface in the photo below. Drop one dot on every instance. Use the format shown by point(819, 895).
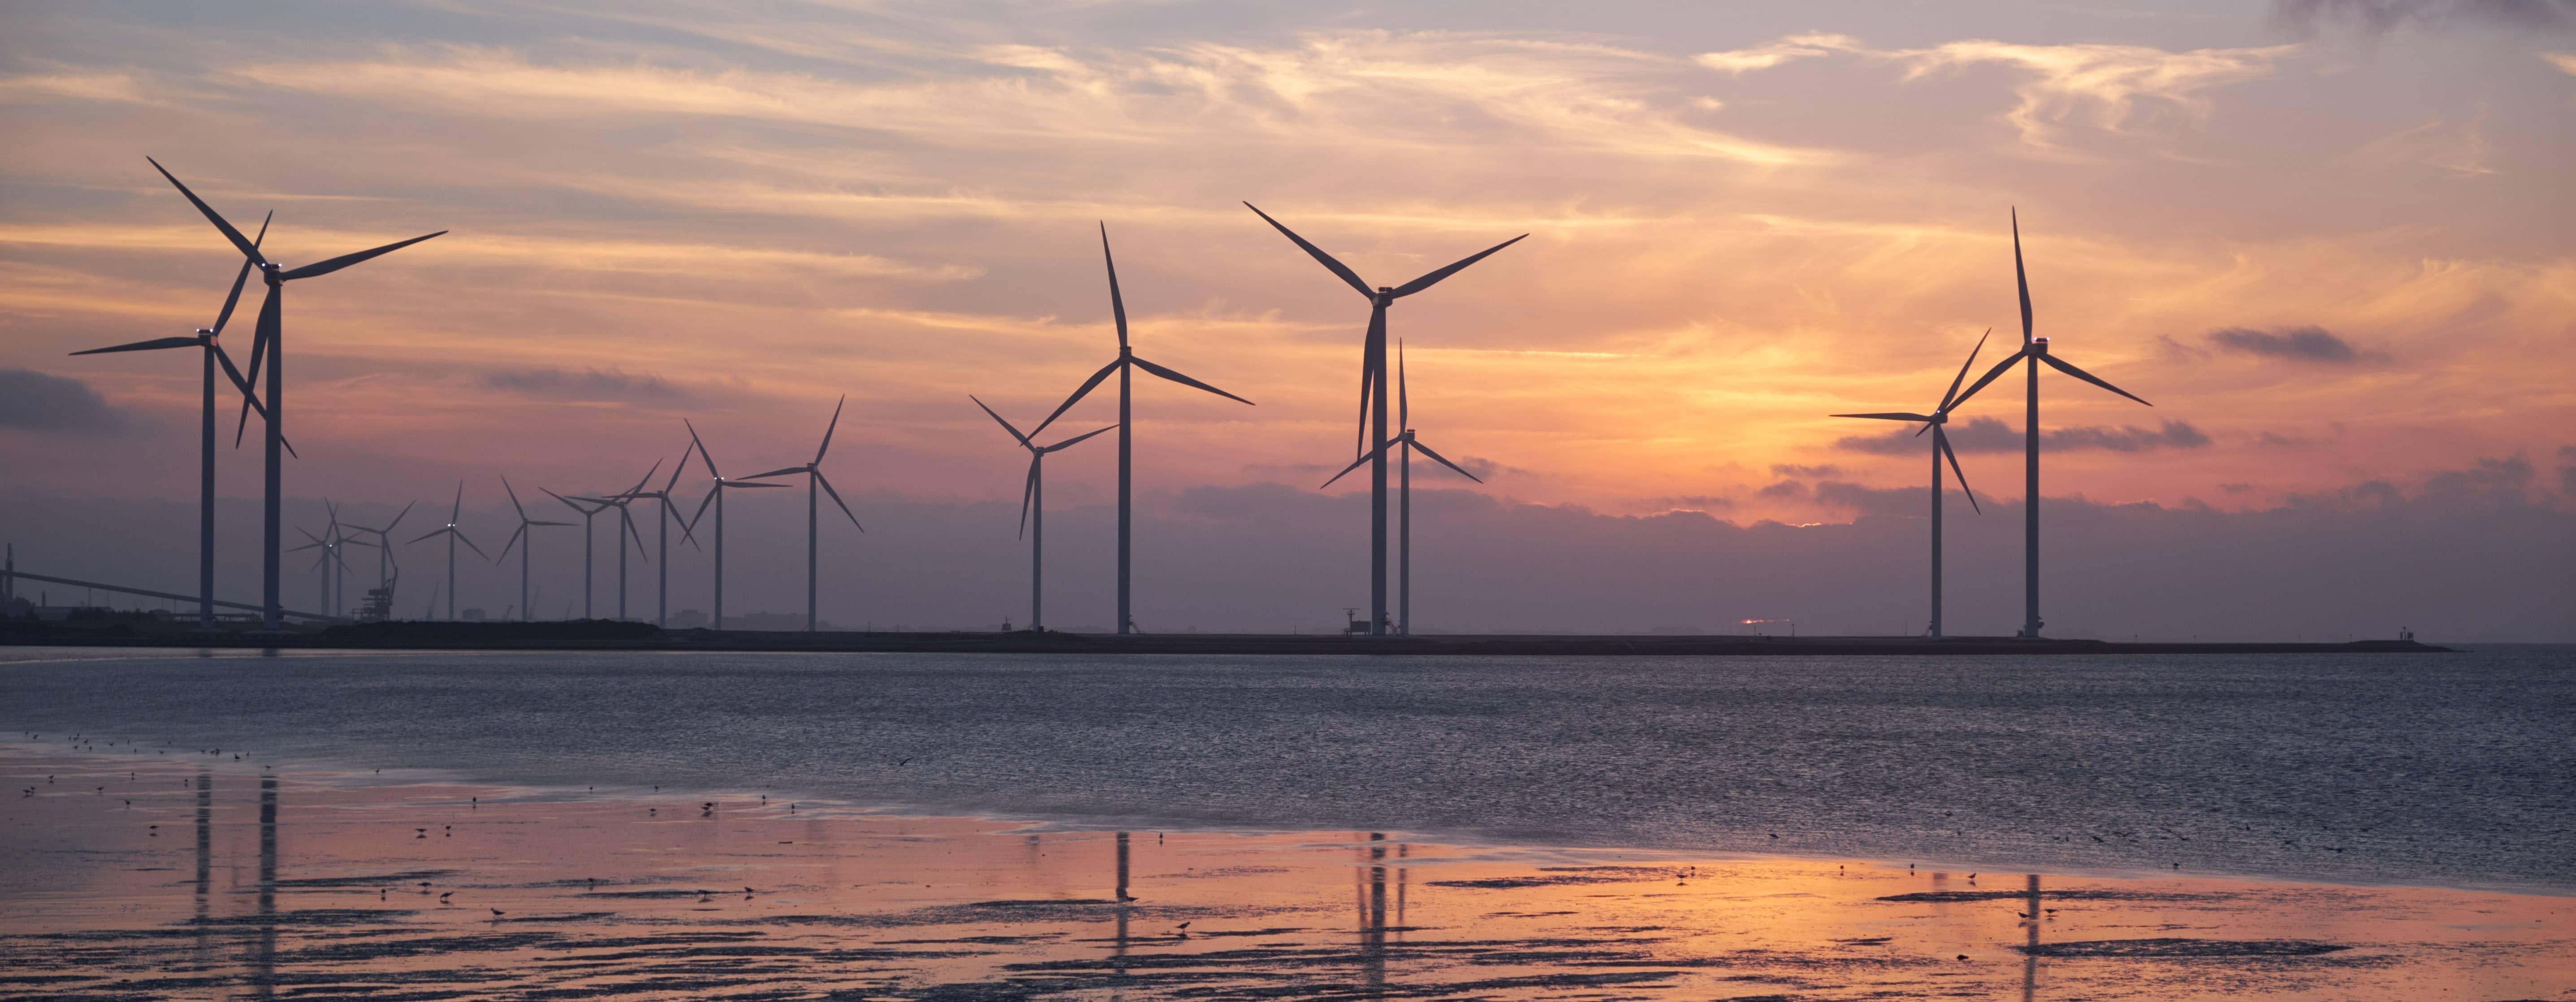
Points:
point(2446, 769)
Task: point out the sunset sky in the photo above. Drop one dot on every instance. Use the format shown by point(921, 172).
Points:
point(2331, 242)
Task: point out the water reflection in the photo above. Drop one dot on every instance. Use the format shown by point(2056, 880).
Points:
point(1373, 919)
point(205, 866)
point(2030, 951)
point(1118, 952)
point(263, 955)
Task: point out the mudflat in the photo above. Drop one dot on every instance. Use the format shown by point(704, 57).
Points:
point(186, 873)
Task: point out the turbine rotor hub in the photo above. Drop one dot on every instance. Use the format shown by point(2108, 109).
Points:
point(2039, 346)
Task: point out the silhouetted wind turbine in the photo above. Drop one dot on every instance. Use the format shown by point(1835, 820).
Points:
point(329, 561)
point(454, 535)
point(1033, 510)
point(1934, 421)
point(212, 352)
point(385, 562)
point(527, 610)
point(593, 507)
point(662, 531)
point(1373, 394)
point(813, 531)
point(625, 520)
point(715, 496)
point(2033, 352)
point(1410, 443)
point(1122, 365)
point(270, 338)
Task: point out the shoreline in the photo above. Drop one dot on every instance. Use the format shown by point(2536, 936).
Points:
point(609, 635)
point(608, 893)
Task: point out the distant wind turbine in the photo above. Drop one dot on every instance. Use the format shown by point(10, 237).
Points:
point(813, 531)
point(1033, 510)
point(662, 530)
point(715, 496)
point(385, 562)
point(587, 507)
point(269, 338)
point(1123, 366)
point(1935, 421)
point(454, 535)
point(2034, 351)
point(1410, 443)
point(625, 521)
point(527, 607)
point(212, 352)
point(1373, 393)
point(329, 562)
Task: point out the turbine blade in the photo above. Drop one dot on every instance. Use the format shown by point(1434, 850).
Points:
point(1028, 489)
point(2021, 279)
point(647, 478)
point(514, 541)
point(739, 484)
point(1444, 461)
point(152, 345)
point(1887, 416)
point(1079, 392)
point(1185, 380)
point(234, 297)
point(702, 506)
point(684, 462)
point(398, 517)
point(627, 520)
point(249, 250)
point(1403, 400)
point(1117, 305)
point(554, 523)
point(2069, 368)
point(1963, 371)
point(1336, 267)
point(1006, 426)
point(836, 499)
point(1434, 278)
point(1355, 464)
point(514, 498)
point(459, 509)
point(469, 544)
point(773, 473)
point(702, 452)
point(1941, 441)
point(432, 534)
point(568, 502)
point(1999, 369)
point(1368, 373)
point(830, 428)
point(1069, 443)
point(261, 336)
point(226, 360)
point(345, 260)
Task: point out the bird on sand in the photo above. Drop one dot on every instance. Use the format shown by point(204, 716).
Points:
point(1963, 956)
point(497, 913)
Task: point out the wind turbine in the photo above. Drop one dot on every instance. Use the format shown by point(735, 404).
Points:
point(626, 519)
point(454, 535)
point(1373, 393)
point(1411, 444)
point(595, 507)
point(270, 338)
point(813, 533)
point(715, 496)
point(1934, 422)
point(527, 611)
point(1033, 510)
point(1124, 365)
point(662, 531)
point(213, 353)
point(329, 561)
point(385, 563)
point(2034, 351)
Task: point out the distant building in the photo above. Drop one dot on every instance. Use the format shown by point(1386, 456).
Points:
point(773, 621)
point(688, 619)
point(472, 616)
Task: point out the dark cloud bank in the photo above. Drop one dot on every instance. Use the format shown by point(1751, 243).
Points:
point(1987, 434)
point(2483, 552)
point(2382, 16)
point(40, 402)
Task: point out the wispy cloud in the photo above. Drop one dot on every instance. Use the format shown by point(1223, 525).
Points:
point(2297, 344)
point(1766, 56)
point(611, 385)
point(1987, 434)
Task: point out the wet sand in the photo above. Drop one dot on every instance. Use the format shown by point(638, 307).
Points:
point(180, 874)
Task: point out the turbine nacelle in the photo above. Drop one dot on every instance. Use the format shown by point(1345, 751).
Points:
point(2038, 346)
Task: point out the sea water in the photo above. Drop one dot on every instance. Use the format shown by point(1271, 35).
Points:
point(2456, 769)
